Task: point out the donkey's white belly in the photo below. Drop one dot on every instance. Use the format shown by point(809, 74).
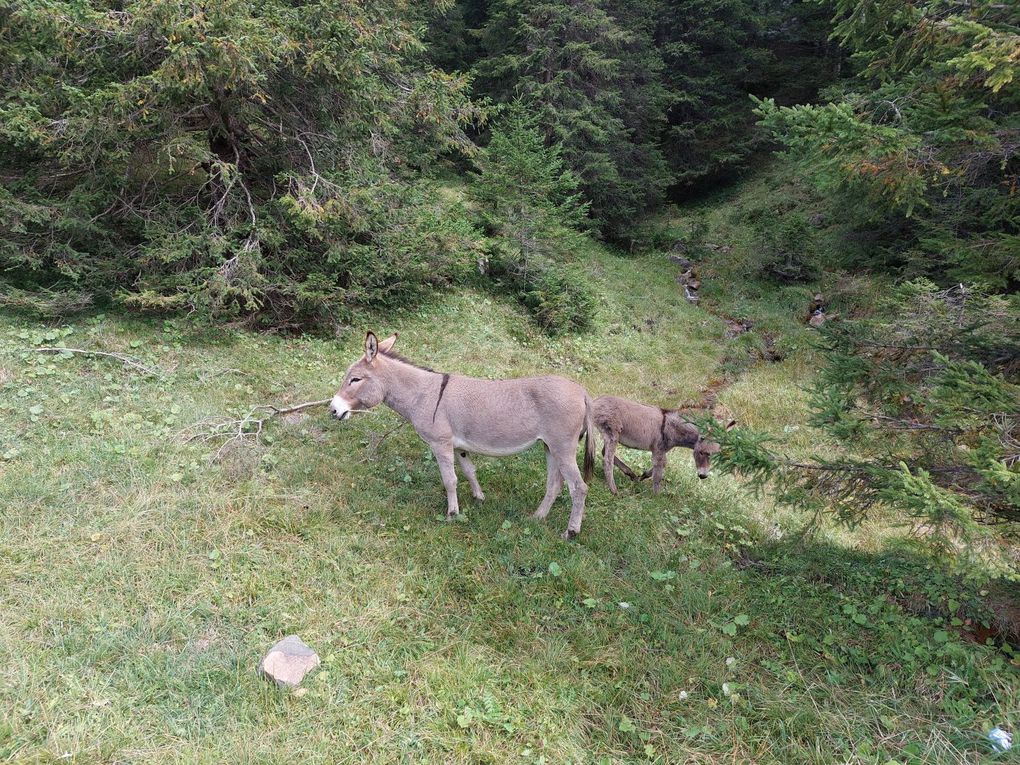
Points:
point(492, 450)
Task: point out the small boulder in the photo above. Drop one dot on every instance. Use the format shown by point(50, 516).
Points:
point(287, 662)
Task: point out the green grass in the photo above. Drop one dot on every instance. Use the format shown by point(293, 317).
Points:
point(142, 581)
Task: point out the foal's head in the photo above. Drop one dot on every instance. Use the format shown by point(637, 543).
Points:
point(681, 432)
point(703, 451)
point(361, 388)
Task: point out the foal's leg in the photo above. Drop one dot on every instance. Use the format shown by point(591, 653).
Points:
point(608, 458)
point(626, 469)
point(578, 490)
point(444, 458)
point(553, 486)
point(658, 469)
point(468, 468)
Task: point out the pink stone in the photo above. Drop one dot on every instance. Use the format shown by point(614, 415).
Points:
point(288, 662)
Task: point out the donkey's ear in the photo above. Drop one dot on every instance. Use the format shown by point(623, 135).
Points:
point(371, 346)
point(731, 424)
point(385, 345)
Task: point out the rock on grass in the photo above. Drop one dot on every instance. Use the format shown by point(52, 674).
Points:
point(287, 662)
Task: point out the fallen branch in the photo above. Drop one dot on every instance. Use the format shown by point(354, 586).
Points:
point(248, 428)
point(126, 360)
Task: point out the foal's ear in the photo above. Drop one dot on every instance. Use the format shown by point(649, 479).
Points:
point(385, 345)
point(371, 346)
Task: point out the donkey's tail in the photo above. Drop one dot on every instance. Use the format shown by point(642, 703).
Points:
point(589, 439)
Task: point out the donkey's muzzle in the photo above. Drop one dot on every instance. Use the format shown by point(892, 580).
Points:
point(335, 410)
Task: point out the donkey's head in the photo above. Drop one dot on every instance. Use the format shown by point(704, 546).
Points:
point(703, 448)
point(703, 451)
point(362, 388)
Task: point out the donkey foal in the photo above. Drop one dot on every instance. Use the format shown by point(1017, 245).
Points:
point(457, 415)
point(655, 430)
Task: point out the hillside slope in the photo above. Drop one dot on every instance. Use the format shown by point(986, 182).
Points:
point(143, 580)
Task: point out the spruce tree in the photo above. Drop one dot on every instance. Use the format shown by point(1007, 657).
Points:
point(227, 155)
point(532, 209)
point(593, 83)
point(925, 399)
point(924, 139)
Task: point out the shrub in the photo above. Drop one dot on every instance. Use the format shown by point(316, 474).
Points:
point(786, 245)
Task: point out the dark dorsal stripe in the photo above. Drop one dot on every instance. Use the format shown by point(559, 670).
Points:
point(442, 388)
point(391, 354)
point(662, 428)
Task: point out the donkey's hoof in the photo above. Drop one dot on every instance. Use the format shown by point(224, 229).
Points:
point(570, 534)
point(452, 516)
point(480, 497)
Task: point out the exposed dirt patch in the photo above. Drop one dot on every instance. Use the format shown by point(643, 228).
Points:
point(1005, 608)
point(770, 353)
point(737, 327)
point(293, 418)
point(204, 642)
point(240, 459)
point(1002, 627)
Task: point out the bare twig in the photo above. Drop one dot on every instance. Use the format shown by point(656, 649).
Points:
point(126, 360)
point(247, 428)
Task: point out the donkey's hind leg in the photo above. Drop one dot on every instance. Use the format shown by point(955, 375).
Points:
point(553, 485)
point(578, 491)
point(608, 458)
point(468, 468)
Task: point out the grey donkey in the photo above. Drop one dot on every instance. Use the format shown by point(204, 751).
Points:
point(457, 416)
point(622, 421)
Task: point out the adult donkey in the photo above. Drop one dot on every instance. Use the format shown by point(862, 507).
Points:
point(458, 415)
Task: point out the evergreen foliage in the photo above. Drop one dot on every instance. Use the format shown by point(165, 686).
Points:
point(230, 156)
point(711, 51)
point(926, 399)
point(926, 136)
point(644, 97)
point(593, 81)
point(531, 207)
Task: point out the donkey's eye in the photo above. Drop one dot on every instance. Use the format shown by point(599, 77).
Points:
point(355, 379)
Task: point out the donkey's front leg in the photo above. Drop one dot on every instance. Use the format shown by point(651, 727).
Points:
point(444, 458)
point(658, 469)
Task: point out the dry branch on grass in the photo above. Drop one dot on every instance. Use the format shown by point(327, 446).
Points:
point(246, 429)
point(125, 360)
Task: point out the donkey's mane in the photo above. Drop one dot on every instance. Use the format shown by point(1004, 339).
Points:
point(397, 357)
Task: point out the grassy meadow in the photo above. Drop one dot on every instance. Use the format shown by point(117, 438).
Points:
point(143, 581)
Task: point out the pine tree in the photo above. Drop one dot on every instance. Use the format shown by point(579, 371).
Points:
point(707, 47)
point(926, 399)
point(925, 137)
point(226, 155)
point(530, 205)
point(593, 83)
